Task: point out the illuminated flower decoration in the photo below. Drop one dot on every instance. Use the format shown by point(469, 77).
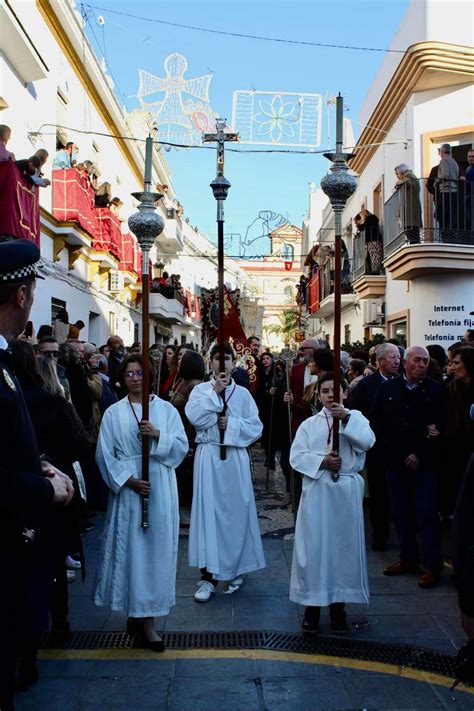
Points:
point(276, 118)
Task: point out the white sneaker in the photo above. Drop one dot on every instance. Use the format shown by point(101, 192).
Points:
point(234, 586)
point(72, 563)
point(204, 591)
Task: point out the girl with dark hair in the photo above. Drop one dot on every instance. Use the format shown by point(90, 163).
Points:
point(329, 560)
point(137, 570)
point(191, 372)
point(169, 371)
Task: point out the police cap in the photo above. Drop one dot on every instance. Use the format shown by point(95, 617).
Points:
point(19, 259)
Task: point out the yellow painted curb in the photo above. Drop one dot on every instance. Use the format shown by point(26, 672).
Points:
point(262, 654)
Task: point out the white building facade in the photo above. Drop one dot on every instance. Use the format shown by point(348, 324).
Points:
point(417, 102)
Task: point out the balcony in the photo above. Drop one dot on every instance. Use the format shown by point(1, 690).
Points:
point(171, 239)
point(73, 204)
point(366, 284)
point(19, 205)
point(168, 303)
point(428, 230)
point(321, 291)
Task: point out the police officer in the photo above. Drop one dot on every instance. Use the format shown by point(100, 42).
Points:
point(27, 486)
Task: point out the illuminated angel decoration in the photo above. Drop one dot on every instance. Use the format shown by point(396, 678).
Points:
point(176, 111)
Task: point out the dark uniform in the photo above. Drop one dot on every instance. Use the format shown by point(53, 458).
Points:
point(362, 398)
point(24, 491)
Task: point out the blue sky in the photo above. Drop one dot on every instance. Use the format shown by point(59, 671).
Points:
point(259, 182)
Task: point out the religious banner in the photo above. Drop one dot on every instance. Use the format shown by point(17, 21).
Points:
point(197, 310)
point(19, 204)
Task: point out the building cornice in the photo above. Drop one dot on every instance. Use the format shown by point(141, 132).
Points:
point(425, 65)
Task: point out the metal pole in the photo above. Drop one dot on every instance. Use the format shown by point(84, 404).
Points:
point(339, 185)
point(220, 329)
point(146, 224)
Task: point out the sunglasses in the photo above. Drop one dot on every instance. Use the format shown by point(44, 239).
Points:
point(133, 373)
point(52, 354)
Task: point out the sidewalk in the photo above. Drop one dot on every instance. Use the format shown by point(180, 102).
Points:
point(399, 612)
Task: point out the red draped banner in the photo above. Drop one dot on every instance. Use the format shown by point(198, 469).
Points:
point(73, 199)
point(19, 204)
point(313, 293)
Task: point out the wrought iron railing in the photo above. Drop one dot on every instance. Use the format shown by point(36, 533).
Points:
point(426, 210)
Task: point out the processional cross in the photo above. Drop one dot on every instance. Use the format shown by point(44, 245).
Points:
point(220, 187)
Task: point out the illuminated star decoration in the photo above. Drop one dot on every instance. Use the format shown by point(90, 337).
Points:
point(175, 110)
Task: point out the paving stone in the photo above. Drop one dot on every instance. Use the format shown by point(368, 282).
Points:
point(207, 668)
point(53, 694)
point(305, 693)
point(126, 692)
point(383, 691)
point(222, 694)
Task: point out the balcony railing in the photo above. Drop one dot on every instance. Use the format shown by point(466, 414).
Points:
point(321, 284)
point(19, 205)
point(425, 211)
point(359, 257)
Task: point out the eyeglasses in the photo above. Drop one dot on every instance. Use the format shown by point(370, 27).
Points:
point(134, 373)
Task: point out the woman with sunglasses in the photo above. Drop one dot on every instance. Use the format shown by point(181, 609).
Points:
point(137, 569)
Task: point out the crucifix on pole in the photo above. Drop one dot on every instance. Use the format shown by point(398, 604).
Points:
point(220, 188)
point(338, 185)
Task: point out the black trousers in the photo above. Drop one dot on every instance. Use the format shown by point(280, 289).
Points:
point(379, 501)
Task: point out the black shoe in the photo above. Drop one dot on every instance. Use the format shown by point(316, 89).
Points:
point(141, 640)
point(379, 545)
point(310, 622)
point(338, 618)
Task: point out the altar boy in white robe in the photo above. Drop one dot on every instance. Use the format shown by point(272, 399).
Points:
point(137, 568)
point(329, 562)
point(224, 535)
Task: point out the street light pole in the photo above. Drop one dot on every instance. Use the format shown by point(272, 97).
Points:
point(146, 225)
point(338, 185)
point(220, 188)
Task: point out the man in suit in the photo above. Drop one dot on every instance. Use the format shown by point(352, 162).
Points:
point(409, 417)
point(27, 486)
point(362, 398)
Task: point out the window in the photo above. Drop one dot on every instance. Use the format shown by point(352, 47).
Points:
point(136, 332)
point(288, 295)
point(398, 329)
point(61, 120)
point(377, 201)
point(347, 333)
point(56, 306)
point(287, 252)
